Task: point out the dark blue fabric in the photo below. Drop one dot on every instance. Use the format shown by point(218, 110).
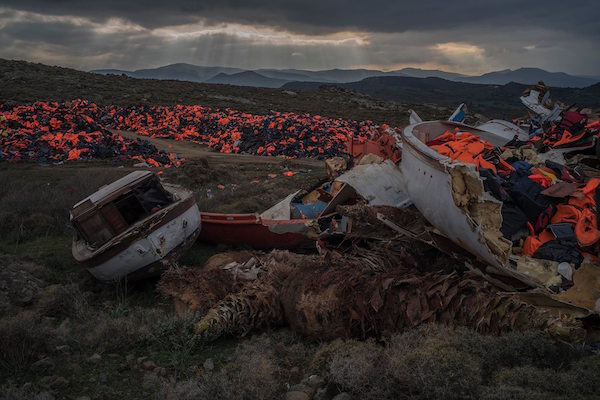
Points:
point(527, 195)
point(521, 166)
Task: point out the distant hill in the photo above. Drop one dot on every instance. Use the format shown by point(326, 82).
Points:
point(347, 75)
point(586, 97)
point(247, 78)
point(195, 73)
point(180, 72)
point(498, 100)
point(530, 76)
point(109, 71)
point(430, 73)
point(292, 75)
point(439, 91)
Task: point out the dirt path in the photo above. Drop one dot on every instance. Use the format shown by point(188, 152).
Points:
point(192, 150)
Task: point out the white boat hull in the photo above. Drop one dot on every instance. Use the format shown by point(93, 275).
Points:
point(428, 183)
point(150, 250)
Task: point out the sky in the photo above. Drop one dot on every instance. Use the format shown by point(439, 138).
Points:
point(466, 36)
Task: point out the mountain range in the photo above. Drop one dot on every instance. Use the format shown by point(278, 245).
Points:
point(276, 78)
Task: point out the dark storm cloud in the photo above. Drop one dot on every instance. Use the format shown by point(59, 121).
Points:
point(318, 16)
point(467, 36)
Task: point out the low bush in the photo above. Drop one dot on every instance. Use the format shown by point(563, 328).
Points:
point(105, 333)
point(12, 392)
point(65, 301)
point(437, 362)
point(23, 339)
point(251, 373)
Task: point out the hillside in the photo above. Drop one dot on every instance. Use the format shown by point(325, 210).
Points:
point(493, 100)
point(26, 82)
point(180, 72)
point(381, 99)
point(430, 73)
point(292, 75)
point(530, 76)
point(247, 78)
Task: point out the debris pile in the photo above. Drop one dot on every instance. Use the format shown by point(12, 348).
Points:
point(229, 131)
point(549, 208)
point(514, 216)
point(78, 129)
point(518, 217)
point(56, 132)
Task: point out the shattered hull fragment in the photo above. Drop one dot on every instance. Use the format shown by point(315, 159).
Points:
point(451, 196)
point(445, 195)
point(252, 230)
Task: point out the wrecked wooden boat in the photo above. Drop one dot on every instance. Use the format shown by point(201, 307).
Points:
point(451, 195)
point(134, 227)
point(302, 218)
point(295, 222)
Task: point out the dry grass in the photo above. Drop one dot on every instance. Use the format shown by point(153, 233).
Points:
point(434, 362)
point(252, 373)
point(355, 367)
point(72, 309)
point(104, 332)
point(24, 393)
point(35, 202)
point(23, 338)
point(66, 301)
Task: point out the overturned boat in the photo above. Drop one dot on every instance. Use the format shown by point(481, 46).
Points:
point(134, 227)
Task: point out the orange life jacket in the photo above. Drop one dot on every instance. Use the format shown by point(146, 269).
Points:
point(584, 197)
point(532, 243)
point(566, 213)
point(586, 229)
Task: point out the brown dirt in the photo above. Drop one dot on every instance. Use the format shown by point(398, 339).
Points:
point(191, 150)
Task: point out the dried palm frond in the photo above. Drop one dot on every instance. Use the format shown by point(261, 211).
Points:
point(198, 289)
point(367, 295)
point(368, 304)
point(253, 308)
